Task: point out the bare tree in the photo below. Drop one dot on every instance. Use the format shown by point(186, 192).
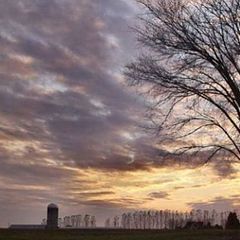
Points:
point(190, 71)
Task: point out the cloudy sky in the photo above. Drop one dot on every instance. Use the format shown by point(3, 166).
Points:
point(70, 128)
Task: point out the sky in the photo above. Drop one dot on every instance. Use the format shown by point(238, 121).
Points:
point(70, 126)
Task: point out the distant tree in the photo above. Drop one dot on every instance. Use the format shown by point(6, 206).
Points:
point(190, 71)
point(232, 221)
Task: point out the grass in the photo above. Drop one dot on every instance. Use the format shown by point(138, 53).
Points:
point(101, 234)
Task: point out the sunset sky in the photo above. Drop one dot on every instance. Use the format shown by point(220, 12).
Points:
point(70, 127)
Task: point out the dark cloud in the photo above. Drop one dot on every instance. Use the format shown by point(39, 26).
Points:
point(224, 168)
point(218, 203)
point(94, 194)
point(161, 195)
point(178, 187)
point(69, 87)
point(197, 186)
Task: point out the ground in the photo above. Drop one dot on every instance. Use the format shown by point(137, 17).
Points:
point(101, 234)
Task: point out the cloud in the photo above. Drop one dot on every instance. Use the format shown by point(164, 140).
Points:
point(219, 203)
point(161, 195)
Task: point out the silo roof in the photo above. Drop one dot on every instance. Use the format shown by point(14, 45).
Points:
point(52, 205)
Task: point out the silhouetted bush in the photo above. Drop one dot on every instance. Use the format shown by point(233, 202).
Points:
point(232, 221)
point(217, 227)
point(194, 225)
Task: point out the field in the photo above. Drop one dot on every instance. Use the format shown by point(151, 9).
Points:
point(101, 234)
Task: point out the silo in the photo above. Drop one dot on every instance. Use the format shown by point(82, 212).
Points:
point(52, 216)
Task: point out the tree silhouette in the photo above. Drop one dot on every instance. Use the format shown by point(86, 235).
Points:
point(189, 69)
point(232, 221)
